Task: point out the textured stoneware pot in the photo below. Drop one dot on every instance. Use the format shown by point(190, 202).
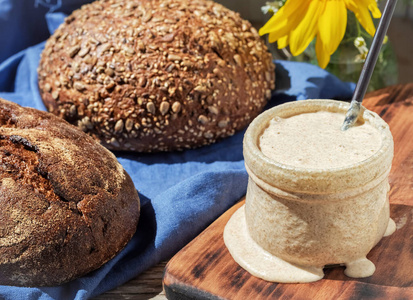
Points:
point(311, 218)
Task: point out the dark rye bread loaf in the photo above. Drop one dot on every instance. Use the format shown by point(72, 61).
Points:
point(67, 205)
point(156, 75)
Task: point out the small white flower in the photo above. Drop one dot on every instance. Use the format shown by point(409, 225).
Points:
point(361, 57)
point(361, 46)
point(359, 42)
point(271, 7)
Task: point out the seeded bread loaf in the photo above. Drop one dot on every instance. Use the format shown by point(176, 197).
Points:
point(67, 205)
point(156, 75)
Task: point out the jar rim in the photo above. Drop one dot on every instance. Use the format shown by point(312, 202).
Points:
point(254, 158)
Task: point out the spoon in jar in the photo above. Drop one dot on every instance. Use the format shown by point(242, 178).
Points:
point(368, 67)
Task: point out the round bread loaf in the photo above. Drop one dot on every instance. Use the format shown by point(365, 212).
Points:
point(156, 75)
point(67, 205)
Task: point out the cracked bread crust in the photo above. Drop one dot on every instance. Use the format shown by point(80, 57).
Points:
point(156, 75)
point(67, 205)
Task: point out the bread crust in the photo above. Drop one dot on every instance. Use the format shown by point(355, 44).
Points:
point(156, 75)
point(67, 205)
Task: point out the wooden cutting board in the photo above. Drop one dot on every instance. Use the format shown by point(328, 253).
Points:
point(204, 269)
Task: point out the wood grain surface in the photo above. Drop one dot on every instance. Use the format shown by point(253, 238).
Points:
point(395, 105)
point(147, 285)
point(204, 269)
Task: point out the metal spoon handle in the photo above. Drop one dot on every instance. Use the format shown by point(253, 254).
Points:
point(369, 64)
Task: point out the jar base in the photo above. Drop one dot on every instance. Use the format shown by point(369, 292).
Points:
point(262, 264)
point(360, 268)
point(259, 262)
point(391, 228)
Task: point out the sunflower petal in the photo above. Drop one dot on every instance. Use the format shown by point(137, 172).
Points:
point(375, 11)
point(323, 56)
point(275, 35)
point(273, 24)
point(372, 6)
point(332, 25)
point(279, 20)
point(286, 26)
point(282, 42)
point(292, 22)
point(363, 15)
point(305, 32)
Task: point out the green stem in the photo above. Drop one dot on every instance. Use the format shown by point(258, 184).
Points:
point(358, 28)
point(349, 39)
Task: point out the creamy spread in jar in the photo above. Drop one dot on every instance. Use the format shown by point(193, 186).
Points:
point(315, 140)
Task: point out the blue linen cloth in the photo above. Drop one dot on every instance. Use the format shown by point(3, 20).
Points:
point(22, 22)
point(181, 192)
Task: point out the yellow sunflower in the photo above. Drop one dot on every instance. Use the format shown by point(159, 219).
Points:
point(299, 21)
